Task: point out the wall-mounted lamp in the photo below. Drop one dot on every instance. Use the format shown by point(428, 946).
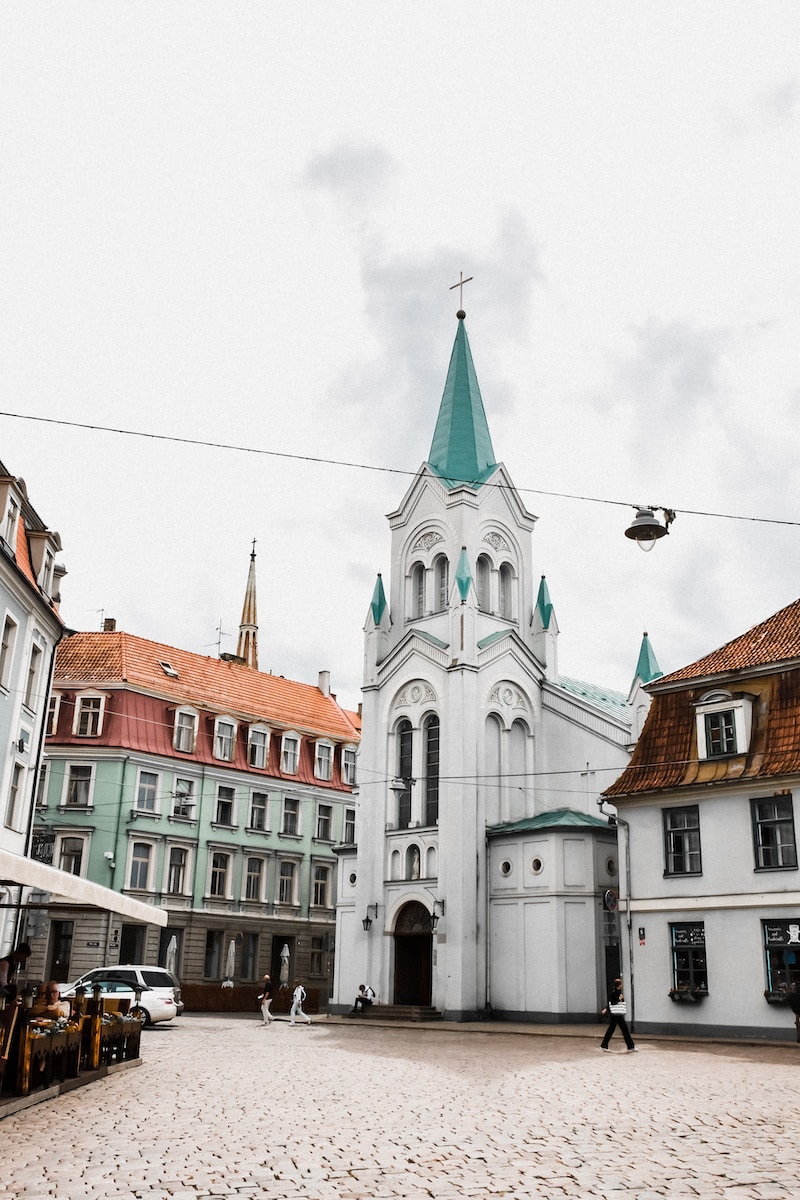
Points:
point(645, 529)
point(367, 921)
point(438, 911)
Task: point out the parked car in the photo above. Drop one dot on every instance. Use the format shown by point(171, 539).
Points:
point(161, 993)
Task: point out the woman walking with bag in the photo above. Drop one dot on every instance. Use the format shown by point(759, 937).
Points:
point(616, 1011)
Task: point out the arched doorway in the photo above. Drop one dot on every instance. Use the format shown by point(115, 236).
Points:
point(413, 953)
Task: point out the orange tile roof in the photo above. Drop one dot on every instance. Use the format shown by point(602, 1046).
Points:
point(119, 657)
point(775, 640)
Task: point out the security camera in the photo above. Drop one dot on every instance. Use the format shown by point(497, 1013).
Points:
point(108, 854)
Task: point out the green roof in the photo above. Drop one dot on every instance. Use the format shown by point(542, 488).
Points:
point(559, 818)
point(461, 451)
point(613, 702)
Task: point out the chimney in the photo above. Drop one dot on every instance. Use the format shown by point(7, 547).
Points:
point(324, 683)
point(110, 625)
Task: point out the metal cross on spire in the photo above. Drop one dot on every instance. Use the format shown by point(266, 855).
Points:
point(460, 286)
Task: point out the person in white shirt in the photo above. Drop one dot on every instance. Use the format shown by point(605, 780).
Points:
point(364, 1000)
point(298, 996)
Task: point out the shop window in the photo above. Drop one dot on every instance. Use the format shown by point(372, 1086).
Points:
point(689, 970)
point(782, 954)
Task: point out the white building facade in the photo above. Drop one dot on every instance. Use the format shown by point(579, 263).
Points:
point(476, 885)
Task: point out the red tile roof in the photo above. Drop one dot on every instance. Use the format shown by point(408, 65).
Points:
point(775, 640)
point(86, 659)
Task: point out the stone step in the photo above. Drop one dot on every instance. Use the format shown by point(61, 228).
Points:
point(404, 1012)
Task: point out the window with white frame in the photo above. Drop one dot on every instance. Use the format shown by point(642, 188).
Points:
point(141, 853)
point(183, 798)
point(323, 760)
point(185, 735)
point(773, 833)
point(417, 582)
point(41, 787)
point(12, 513)
point(14, 796)
point(224, 739)
point(177, 870)
point(223, 814)
point(506, 584)
point(324, 822)
point(46, 574)
point(290, 818)
point(322, 886)
point(34, 671)
point(682, 840)
point(7, 651)
point(349, 836)
point(287, 882)
point(147, 792)
point(70, 855)
point(52, 714)
point(483, 583)
point(257, 746)
point(290, 753)
point(723, 723)
point(88, 716)
point(349, 765)
point(254, 878)
point(220, 870)
point(78, 786)
point(258, 811)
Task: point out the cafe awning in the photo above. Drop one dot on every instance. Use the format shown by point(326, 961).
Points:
point(16, 869)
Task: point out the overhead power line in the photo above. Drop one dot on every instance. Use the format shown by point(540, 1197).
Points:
point(362, 466)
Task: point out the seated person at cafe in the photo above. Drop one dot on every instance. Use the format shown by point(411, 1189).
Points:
point(49, 1004)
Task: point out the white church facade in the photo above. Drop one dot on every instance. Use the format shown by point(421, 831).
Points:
point(483, 877)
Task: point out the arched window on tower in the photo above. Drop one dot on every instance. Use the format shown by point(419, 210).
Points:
point(507, 592)
point(484, 575)
point(441, 573)
point(404, 750)
point(417, 597)
point(431, 752)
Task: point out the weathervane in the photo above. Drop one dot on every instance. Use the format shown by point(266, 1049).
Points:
point(460, 286)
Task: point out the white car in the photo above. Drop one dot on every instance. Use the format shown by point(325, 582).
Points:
point(154, 1003)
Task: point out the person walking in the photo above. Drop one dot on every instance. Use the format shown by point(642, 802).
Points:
point(617, 1010)
point(265, 999)
point(298, 996)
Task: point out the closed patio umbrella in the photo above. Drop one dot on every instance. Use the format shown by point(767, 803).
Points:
point(172, 955)
point(230, 963)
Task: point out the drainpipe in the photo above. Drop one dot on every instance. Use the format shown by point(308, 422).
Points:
point(113, 865)
point(615, 819)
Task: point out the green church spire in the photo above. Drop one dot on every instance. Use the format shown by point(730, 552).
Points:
point(544, 606)
point(647, 669)
point(378, 605)
point(461, 451)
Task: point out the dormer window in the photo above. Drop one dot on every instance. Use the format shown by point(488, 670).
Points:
point(89, 711)
point(323, 760)
point(723, 723)
point(257, 746)
point(185, 735)
point(349, 765)
point(290, 753)
point(224, 738)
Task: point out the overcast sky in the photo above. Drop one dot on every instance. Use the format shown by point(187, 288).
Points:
point(239, 223)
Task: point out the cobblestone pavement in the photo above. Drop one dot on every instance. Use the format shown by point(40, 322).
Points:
point(221, 1107)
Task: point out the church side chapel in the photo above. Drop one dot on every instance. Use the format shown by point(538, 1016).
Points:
point(483, 876)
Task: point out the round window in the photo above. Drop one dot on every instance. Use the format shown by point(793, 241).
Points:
point(505, 867)
point(352, 878)
point(537, 866)
point(611, 866)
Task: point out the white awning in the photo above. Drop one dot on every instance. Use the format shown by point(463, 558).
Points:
point(15, 868)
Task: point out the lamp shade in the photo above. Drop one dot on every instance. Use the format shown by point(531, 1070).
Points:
point(645, 529)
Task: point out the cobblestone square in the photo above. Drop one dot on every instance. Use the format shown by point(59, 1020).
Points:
point(345, 1110)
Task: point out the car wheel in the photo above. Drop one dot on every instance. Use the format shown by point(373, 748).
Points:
point(145, 1015)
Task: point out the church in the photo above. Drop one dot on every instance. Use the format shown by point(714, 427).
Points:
point(483, 878)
